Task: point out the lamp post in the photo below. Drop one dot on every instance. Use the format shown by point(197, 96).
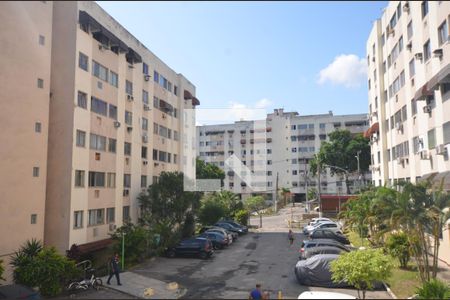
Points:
point(359, 172)
point(123, 251)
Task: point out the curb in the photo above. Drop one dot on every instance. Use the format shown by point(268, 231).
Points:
point(119, 291)
point(390, 292)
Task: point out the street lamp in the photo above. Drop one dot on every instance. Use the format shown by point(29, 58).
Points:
point(123, 251)
point(359, 172)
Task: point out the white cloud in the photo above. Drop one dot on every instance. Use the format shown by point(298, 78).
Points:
point(347, 69)
point(263, 103)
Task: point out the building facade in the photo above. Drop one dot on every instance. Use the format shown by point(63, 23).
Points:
point(287, 144)
point(408, 56)
point(103, 118)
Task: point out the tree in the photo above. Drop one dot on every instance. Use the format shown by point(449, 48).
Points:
point(242, 217)
point(136, 244)
point(211, 210)
point(361, 269)
point(285, 192)
point(208, 171)
point(398, 246)
point(2, 269)
point(230, 202)
point(255, 204)
point(340, 151)
point(22, 258)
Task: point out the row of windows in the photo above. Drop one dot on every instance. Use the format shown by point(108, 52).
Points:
point(307, 137)
point(162, 81)
point(398, 83)
point(304, 149)
point(164, 156)
point(97, 216)
point(306, 126)
point(165, 132)
point(165, 107)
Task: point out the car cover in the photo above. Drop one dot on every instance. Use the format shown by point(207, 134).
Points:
point(315, 271)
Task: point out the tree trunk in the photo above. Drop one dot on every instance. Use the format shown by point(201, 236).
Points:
point(346, 184)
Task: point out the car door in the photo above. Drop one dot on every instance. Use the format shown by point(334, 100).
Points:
point(181, 248)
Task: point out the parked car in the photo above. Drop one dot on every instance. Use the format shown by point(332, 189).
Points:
point(230, 227)
point(235, 224)
point(314, 222)
point(324, 295)
point(306, 244)
point(218, 240)
point(315, 271)
point(200, 247)
point(18, 291)
point(310, 252)
point(329, 234)
point(231, 234)
point(324, 225)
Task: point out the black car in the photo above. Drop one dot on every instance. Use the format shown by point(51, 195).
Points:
point(218, 240)
point(234, 235)
point(328, 234)
point(200, 247)
point(235, 224)
point(310, 252)
point(229, 227)
point(306, 244)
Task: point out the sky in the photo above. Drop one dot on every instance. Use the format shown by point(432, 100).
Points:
point(307, 57)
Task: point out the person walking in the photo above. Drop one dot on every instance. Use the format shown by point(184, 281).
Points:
point(256, 294)
point(291, 237)
point(114, 265)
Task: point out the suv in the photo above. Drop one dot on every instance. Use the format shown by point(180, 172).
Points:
point(232, 236)
point(324, 225)
point(218, 240)
point(229, 227)
point(200, 247)
point(235, 224)
point(329, 234)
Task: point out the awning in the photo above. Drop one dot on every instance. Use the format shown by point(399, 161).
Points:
point(195, 101)
point(443, 76)
point(372, 129)
point(187, 95)
point(442, 178)
point(423, 92)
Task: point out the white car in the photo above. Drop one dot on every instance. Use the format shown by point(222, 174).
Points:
point(333, 226)
point(324, 295)
point(314, 222)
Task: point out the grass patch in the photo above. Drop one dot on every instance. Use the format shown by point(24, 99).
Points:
point(404, 282)
point(357, 241)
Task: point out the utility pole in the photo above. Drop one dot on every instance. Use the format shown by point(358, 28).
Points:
point(318, 191)
point(276, 194)
point(306, 188)
point(359, 172)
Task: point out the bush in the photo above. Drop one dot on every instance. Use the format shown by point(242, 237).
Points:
point(136, 242)
point(188, 226)
point(242, 217)
point(22, 259)
point(211, 211)
point(434, 289)
point(398, 246)
point(2, 269)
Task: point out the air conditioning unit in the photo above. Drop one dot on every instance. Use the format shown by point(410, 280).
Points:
point(424, 154)
point(391, 31)
point(130, 98)
point(116, 124)
point(145, 138)
point(112, 227)
point(129, 128)
point(375, 137)
point(400, 160)
point(438, 53)
point(427, 109)
point(409, 46)
point(418, 55)
point(406, 7)
point(145, 162)
point(146, 107)
point(146, 77)
point(441, 149)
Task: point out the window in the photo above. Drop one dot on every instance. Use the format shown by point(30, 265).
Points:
point(144, 152)
point(129, 87)
point(383, 40)
point(79, 178)
point(174, 158)
point(427, 51)
point(114, 79)
point(393, 21)
point(446, 132)
point(41, 40)
point(112, 145)
point(169, 86)
point(412, 68)
point(389, 154)
point(35, 171)
point(96, 216)
point(143, 181)
point(37, 127)
point(175, 113)
point(99, 71)
point(404, 114)
point(82, 100)
point(413, 107)
point(83, 61)
point(40, 83)
point(175, 90)
point(97, 142)
point(98, 106)
point(409, 30)
point(162, 156)
point(96, 179)
point(155, 76)
point(400, 44)
point(145, 96)
point(399, 11)
point(144, 124)
point(155, 128)
point(384, 67)
point(111, 180)
point(127, 148)
point(443, 33)
point(128, 118)
point(33, 218)
point(126, 213)
point(110, 215)
point(424, 8)
point(176, 136)
point(155, 154)
point(145, 68)
point(113, 112)
point(81, 138)
point(431, 138)
point(78, 219)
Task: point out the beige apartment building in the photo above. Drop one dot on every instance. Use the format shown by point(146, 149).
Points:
point(408, 56)
point(103, 118)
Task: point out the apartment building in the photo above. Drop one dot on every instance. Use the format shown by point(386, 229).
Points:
point(287, 144)
point(25, 63)
point(408, 56)
point(100, 118)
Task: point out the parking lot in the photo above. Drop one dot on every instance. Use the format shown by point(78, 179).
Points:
point(264, 257)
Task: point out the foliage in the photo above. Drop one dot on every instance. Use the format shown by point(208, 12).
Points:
point(255, 203)
point(434, 289)
point(340, 151)
point(361, 268)
point(2, 269)
point(208, 171)
point(211, 210)
point(189, 226)
point(398, 246)
point(42, 267)
point(312, 194)
point(136, 242)
point(242, 217)
point(230, 202)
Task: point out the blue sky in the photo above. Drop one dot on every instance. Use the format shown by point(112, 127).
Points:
point(302, 56)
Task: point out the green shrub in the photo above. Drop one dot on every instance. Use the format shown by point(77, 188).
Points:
point(2, 269)
point(398, 246)
point(22, 259)
point(188, 226)
point(211, 211)
point(136, 245)
point(434, 289)
point(242, 217)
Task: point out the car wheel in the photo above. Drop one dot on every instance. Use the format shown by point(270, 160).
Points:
point(203, 255)
point(171, 254)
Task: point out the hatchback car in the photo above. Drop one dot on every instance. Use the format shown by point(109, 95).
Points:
point(235, 224)
point(329, 234)
point(200, 247)
point(231, 235)
point(218, 240)
point(230, 227)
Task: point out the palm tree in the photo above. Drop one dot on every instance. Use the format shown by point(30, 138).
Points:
point(231, 201)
